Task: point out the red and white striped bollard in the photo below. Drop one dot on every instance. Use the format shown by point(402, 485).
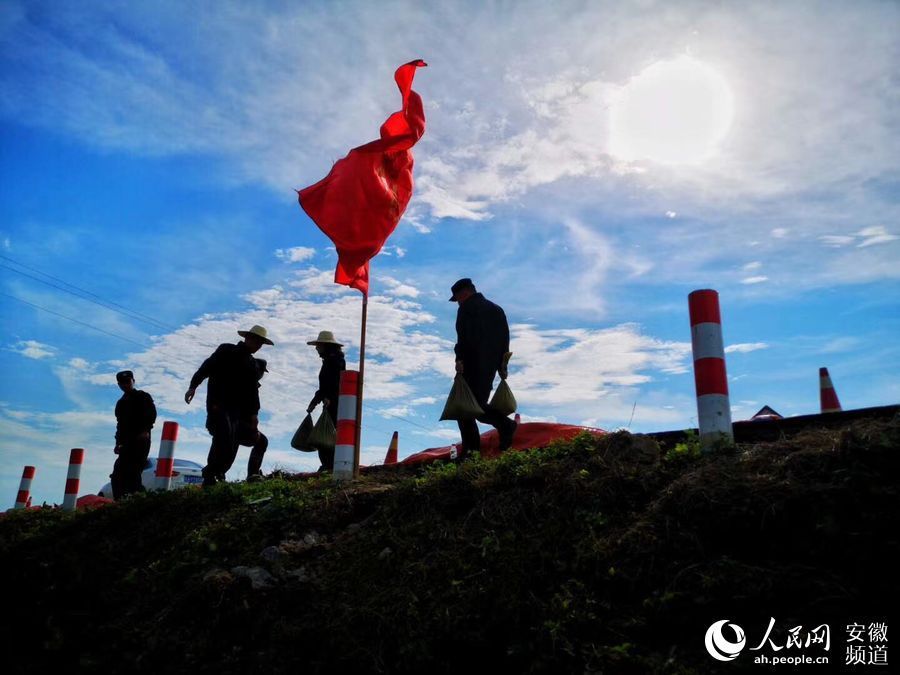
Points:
point(828, 399)
point(24, 493)
point(713, 405)
point(166, 458)
point(345, 443)
point(391, 456)
point(73, 479)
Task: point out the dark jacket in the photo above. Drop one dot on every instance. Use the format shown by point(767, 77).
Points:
point(135, 414)
point(333, 364)
point(233, 380)
point(482, 338)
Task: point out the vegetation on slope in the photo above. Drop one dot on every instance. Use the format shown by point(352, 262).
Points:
point(600, 555)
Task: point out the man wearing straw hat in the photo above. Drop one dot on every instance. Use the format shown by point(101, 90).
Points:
point(232, 400)
point(333, 364)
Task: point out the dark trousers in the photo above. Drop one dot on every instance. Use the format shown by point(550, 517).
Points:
point(257, 451)
point(126, 475)
point(229, 430)
point(468, 429)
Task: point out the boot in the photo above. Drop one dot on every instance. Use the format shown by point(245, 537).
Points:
point(506, 435)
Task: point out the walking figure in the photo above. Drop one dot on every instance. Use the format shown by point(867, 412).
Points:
point(135, 417)
point(333, 364)
point(482, 341)
point(232, 400)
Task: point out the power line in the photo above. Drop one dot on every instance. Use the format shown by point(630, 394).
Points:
point(82, 292)
point(403, 419)
point(121, 309)
point(80, 323)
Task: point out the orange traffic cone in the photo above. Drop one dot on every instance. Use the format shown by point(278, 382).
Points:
point(827, 395)
point(391, 456)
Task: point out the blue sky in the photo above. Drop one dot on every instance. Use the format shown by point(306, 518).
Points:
point(149, 155)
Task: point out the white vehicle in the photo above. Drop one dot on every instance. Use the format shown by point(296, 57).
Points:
point(184, 473)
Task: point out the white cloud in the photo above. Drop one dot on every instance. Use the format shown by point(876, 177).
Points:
point(414, 217)
point(585, 259)
point(671, 214)
point(393, 250)
point(295, 254)
point(875, 235)
point(754, 280)
point(869, 236)
point(745, 347)
point(836, 240)
point(398, 288)
point(33, 349)
point(582, 366)
point(79, 363)
point(396, 411)
point(841, 344)
point(750, 266)
point(535, 130)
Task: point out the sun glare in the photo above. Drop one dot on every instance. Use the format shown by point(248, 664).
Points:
point(674, 112)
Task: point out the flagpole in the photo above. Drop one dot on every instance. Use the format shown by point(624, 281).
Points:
point(359, 393)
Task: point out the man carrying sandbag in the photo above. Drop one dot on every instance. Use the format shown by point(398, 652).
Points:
point(482, 342)
point(333, 364)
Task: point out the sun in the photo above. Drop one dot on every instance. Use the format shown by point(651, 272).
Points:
point(673, 112)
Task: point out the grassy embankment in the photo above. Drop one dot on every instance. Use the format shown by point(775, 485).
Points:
point(610, 555)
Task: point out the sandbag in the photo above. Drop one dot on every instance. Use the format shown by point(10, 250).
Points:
point(300, 440)
point(323, 435)
point(503, 400)
point(461, 403)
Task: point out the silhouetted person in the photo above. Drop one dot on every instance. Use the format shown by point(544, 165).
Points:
point(232, 400)
point(135, 417)
point(482, 340)
point(333, 364)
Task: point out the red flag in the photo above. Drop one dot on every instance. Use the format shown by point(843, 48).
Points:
point(359, 203)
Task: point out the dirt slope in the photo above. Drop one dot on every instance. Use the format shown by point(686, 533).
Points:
point(599, 555)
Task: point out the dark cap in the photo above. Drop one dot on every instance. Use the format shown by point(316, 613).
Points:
point(460, 285)
point(123, 375)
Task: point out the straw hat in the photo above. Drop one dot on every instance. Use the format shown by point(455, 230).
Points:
point(326, 337)
point(259, 332)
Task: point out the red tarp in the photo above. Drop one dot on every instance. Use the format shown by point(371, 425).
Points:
point(92, 501)
point(528, 435)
